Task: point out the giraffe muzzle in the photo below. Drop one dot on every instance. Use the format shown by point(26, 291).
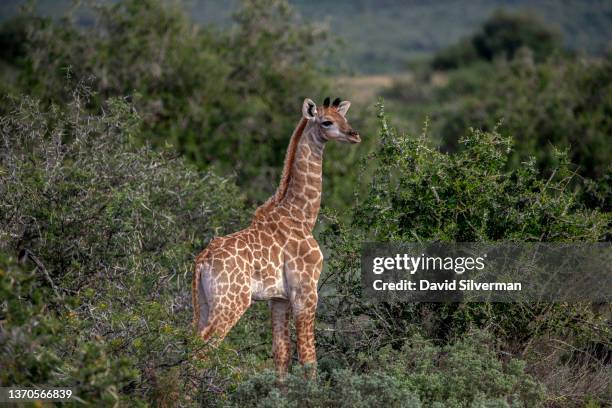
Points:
point(353, 137)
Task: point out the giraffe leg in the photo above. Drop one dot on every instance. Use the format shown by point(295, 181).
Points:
point(304, 317)
point(303, 295)
point(221, 320)
point(304, 324)
point(281, 345)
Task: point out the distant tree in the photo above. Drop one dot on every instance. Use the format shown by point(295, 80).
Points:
point(504, 34)
point(501, 36)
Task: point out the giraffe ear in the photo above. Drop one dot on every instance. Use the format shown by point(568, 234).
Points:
point(344, 107)
point(309, 109)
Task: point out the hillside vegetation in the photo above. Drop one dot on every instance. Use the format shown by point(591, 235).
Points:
point(384, 36)
point(128, 144)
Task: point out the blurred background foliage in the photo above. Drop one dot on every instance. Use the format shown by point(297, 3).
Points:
point(133, 132)
point(381, 36)
point(223, 98)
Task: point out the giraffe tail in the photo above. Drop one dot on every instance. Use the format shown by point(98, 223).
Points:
point(198, 294)
point(195, 285)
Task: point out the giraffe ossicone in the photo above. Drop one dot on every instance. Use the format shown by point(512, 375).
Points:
point(275, 258)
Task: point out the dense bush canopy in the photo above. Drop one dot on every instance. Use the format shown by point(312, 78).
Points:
point(419, 194)
point(561, 104)
point(106, 232)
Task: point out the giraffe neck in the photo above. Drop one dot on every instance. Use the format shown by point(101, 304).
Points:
point(304, 182)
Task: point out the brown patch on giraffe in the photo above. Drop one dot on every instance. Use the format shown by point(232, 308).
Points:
point(301, 165)
point(313, 257)
point(266, 240)
point(311, 193)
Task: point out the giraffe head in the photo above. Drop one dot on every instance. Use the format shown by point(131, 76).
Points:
point(330, 120)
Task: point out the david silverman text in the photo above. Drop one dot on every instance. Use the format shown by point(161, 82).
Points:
point(464, 284)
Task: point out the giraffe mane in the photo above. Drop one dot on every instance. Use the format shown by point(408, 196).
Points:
point(289, 159)
point(287, 168)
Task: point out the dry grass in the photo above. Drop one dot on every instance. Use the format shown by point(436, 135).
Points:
point(367, 88)
point(571, 376)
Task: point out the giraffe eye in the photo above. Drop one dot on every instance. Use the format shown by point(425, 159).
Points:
point(327, 123)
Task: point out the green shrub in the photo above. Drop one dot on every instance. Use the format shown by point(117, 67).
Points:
point(107, 232)
point(79, 196)
point(561, 104)
point(419, 194)
point(466, 372)
point(39, 347)
point(341, 388)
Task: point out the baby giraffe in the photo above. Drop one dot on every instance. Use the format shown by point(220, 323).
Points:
point(276, 258)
